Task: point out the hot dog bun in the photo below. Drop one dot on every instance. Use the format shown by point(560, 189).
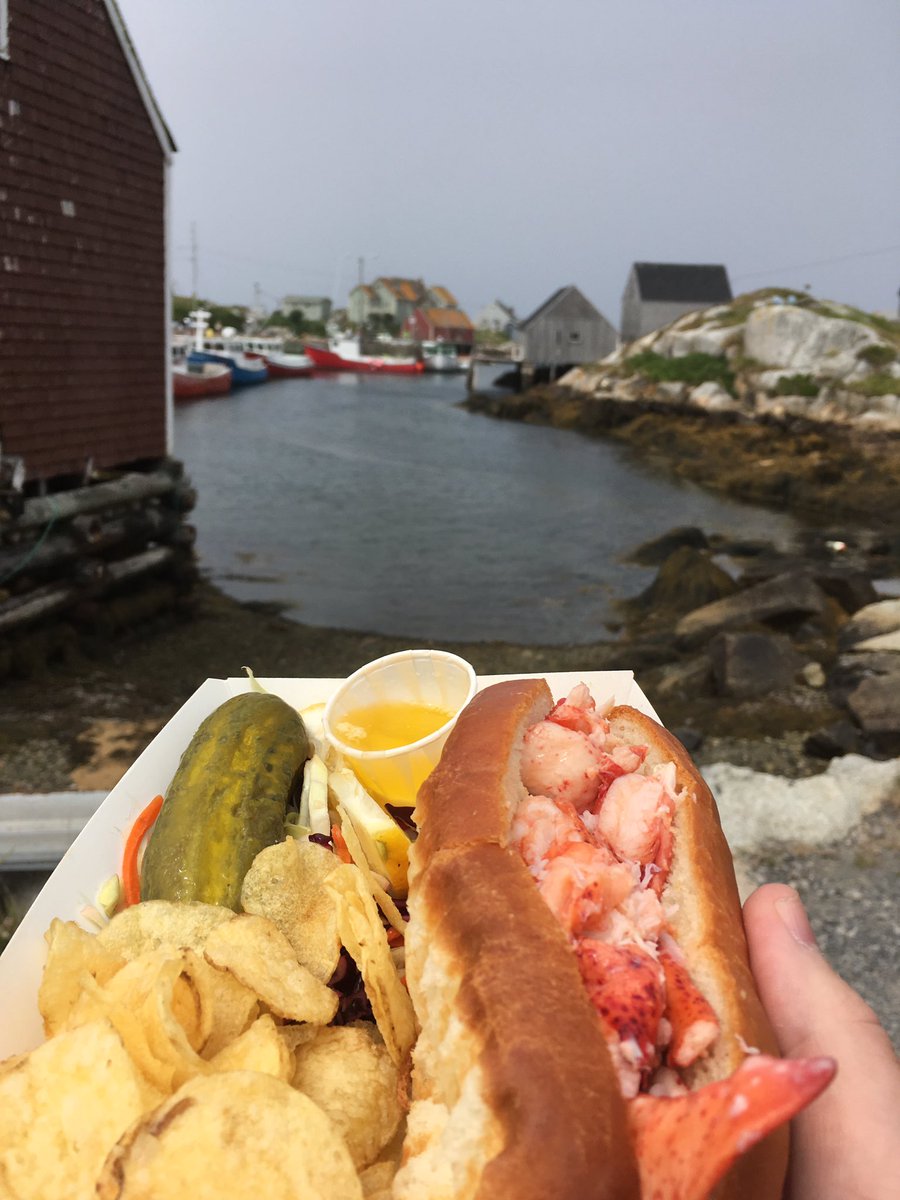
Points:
point(515, 1095)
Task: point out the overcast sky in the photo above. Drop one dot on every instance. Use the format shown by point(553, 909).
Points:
point(504, 148)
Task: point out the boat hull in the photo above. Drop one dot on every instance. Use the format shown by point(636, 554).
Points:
point(211, 379)
point(244, 371)
point(289, 366)
point(329, 360)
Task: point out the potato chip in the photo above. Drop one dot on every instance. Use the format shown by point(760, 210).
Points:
point(162, 925)
point(347, 1070)
point(227, 1006)
point(154, 1009)
point(261, 957)
point(71, 953)
point(284, 883)
point(260, 1048)
point(382, 899)
point(377, 1179)
point(241, 1134)
point(364, 936)
point(61, 1109)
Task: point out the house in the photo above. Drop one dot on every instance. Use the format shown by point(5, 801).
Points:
point(564, 331)
point(311, 308)
point(658, 293)
point(441, 325)
point(84, 296)
point(389, 298)
point(440, 297)
point(497, 317)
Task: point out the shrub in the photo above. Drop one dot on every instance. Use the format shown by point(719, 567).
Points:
point(877, 385)
point(690, 368)
point(796, 385)
point(878, 354)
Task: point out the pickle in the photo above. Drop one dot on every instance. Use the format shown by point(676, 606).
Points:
point(227, 801)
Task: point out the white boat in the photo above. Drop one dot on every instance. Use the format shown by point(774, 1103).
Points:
point(442, 358)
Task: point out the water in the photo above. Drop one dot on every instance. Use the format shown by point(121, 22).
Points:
point(375, 503)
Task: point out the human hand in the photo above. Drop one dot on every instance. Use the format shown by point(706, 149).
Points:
point(846, 1145)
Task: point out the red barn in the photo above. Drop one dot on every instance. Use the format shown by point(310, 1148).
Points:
point(441, 325)
point(84, 320)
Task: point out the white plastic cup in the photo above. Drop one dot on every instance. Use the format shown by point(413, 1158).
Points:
point(433, 678)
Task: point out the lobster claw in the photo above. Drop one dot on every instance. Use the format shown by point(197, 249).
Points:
point(685, 1144)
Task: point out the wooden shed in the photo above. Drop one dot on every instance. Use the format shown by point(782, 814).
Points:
point(441, 325)
point(658, 293)
point(564, 331)
point(84, 304)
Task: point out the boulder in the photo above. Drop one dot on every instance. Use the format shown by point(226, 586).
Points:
point(851, 588)
point(781, 335)
point(752, 664)
point(875, 704)
point(873, 621)
point(759, 809)
point(687, 579)
point(658, 549)
point(712, 340)
point(712, 397)
point(789, 595)
point(843, 737)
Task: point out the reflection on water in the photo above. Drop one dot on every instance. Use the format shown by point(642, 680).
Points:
point(376, 503)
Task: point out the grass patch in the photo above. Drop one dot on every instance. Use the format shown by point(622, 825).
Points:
point(689, 368)
point(796, 385)
point(879, 384)
point(877, 355)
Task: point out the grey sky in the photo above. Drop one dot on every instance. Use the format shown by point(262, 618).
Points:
point(506, 148)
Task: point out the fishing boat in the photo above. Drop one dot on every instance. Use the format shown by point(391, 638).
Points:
point(288, 366)
point(193, 381)
point(244, 370)
point(345, 355)
point(441, 358)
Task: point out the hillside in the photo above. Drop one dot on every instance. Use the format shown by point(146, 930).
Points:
point(774, 353)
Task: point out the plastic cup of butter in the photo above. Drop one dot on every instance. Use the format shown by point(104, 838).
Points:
point(391, 718)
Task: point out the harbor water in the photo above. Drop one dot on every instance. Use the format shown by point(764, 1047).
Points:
point(375, 503)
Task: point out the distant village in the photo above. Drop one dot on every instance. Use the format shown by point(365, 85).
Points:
point(565, 330)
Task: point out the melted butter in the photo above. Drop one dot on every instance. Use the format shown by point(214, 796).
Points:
point(391, 724)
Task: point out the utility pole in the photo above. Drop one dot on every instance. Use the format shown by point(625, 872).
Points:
point(194, 261)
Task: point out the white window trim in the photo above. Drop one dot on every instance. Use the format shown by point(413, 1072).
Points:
point(4, 29)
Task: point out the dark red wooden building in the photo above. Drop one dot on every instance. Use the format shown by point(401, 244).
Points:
point(84, 305)
point(441, 325)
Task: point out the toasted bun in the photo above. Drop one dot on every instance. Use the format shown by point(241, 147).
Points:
point(709, 928)
point(515, 1094)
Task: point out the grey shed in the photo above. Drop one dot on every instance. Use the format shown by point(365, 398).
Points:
point(658, 293)
point(565, 330)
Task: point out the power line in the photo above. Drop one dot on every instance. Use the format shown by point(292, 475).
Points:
point(821, 262)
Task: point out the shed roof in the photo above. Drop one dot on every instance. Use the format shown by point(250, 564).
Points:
point(157, 120)
point(447, 318)
point(689, 282)
point(568, 293)
point(444, 295)
point(403, 289)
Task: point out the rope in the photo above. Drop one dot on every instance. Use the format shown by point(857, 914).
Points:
point(34, 549)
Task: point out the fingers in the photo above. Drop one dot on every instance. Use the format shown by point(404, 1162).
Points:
point(846, 1143)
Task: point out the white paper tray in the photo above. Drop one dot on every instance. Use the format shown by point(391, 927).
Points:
point(97, 852)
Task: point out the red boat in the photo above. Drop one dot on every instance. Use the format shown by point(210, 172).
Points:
point(192, 381)
point(345, 356)
point(288, 366)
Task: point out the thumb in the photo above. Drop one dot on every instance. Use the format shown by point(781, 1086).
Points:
point(846, 1143)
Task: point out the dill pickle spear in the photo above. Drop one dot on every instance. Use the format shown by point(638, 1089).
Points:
point(227, 801)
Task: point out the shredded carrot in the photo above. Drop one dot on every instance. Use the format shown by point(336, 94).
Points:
point(131, 880)
point(340, 846)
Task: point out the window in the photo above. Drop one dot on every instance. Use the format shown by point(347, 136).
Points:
point(574, 337)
